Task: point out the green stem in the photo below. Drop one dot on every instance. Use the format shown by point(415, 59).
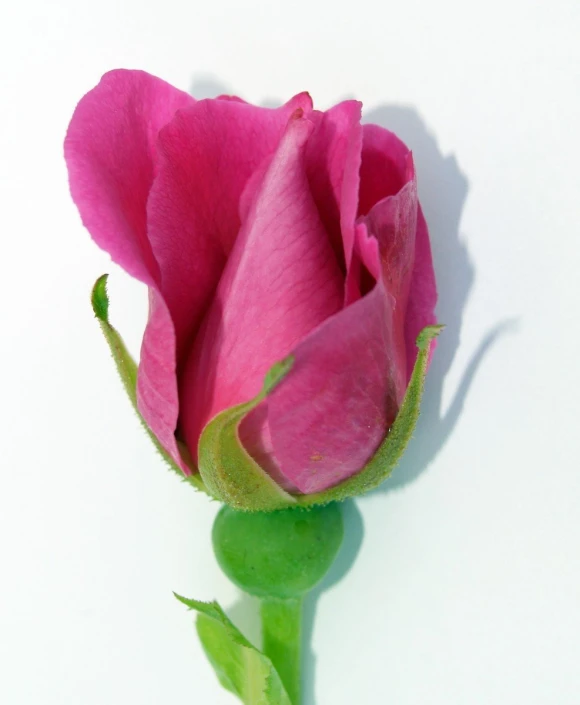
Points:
point(282, 631)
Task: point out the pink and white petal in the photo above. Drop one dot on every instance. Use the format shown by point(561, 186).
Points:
point(281, 281)
point(207, 153)
point(110, 154)
point(422, 294)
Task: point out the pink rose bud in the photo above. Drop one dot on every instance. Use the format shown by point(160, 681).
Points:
point(284, 245)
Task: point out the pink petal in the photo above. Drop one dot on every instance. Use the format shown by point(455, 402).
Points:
point(422, 294)
point(332, 166)
point(333, 161)
point(226, 96)
point(110, 154)
point(157, 393)
point(386, 167)
point(327, 418)
point(384, 171)
point(281, 281)
point(330, 414)
point(393, 222)
point(383, 166)
point(207, 153)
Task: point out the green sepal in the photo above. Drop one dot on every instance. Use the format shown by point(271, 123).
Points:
point(392, 448)
point(127, 369)
point(230, 474)
point(240, 667)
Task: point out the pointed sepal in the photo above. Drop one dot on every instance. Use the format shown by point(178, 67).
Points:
point(127, 369)
point(230, 474)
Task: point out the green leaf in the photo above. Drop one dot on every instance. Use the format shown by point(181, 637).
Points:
point(392, 448)
point(127, 369)
point(230, 474)
point(240, 667)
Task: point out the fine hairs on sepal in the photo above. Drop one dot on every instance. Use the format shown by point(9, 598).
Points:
point(127, 369)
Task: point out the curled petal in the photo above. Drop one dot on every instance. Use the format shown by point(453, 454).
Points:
point(110, 150)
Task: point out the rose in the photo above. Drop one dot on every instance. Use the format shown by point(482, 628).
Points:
point(261, 234)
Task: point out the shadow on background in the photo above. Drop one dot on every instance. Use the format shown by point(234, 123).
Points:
point(353, 536)
point(442, 189)
point(206, 86)
point(442, 192)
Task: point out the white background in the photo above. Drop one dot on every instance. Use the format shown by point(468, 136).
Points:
point(466, 588)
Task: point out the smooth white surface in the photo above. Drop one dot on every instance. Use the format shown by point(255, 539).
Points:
point(467, 586)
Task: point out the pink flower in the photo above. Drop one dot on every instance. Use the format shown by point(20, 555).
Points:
point(260, 233)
